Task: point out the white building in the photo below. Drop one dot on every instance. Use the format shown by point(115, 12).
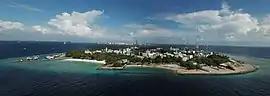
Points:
point(87, 52)
point(191, 56)
point(185, 58)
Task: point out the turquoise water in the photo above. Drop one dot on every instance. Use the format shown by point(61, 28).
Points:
point(67, 78)
point(60, 66)
point(58, 78)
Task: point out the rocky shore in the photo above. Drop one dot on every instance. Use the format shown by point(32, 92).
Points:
point(245, 68)
point(110, 68)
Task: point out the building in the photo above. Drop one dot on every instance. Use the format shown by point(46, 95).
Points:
point(87, 52)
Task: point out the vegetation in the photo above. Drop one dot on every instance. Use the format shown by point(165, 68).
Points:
point(190, 65)
point(116, 60)
point(212, 60)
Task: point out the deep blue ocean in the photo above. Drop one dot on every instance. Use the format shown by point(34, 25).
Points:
point(59, 78)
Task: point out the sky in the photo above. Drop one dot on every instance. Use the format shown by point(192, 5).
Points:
point(211, 22)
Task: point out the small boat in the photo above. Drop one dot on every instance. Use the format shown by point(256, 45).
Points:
point(49, 57)
point(36, 57)
point(62, 54)
point(66, 42)
point(29, 58)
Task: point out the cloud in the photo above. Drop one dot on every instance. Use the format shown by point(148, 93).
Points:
point(152, 33)
point(215, 26)
point(223, 23)
point(76, 23)
point(8, 25)
point(265, 26)
point(74, 26)
point(149, 30)
point(27, 7)
point(40, 29)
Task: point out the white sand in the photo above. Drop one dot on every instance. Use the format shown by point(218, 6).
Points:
point(85, 60)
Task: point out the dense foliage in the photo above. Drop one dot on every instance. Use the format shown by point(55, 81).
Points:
point(190, 65)
point(211, 60)
point(113, 58)
point(116, 59)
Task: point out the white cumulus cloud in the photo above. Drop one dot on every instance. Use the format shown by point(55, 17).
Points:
point(40, 29)
point(225, 23)
point(265, 26)
point(76, 23)
point(9, 25)
point(215, 26)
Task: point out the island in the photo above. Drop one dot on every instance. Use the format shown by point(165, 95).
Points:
point(180, 61)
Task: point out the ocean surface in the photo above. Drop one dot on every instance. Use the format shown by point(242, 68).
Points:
point(63, 78)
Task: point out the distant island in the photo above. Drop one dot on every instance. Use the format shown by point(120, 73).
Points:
point(180, 61)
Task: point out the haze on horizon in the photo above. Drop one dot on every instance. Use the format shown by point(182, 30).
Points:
point(234, 22)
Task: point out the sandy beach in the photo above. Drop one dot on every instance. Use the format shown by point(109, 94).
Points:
point(85, 60)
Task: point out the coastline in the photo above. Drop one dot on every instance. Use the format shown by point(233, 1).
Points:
point(243, 69)
point(246, 68)
point(84, 60)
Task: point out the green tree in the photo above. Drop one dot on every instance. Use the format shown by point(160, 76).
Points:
point(158, 59)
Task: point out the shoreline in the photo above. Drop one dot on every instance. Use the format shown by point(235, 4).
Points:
point(243, 69)
point(246, 68)
point(84, 60)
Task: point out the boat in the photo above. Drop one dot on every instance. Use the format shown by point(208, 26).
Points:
point(29, 58)
point(66, 42)
point(56, 55)
point(49, 57)
point(62, 54)
point(36, 57)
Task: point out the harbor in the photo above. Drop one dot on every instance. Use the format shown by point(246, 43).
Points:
point(57, 56)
